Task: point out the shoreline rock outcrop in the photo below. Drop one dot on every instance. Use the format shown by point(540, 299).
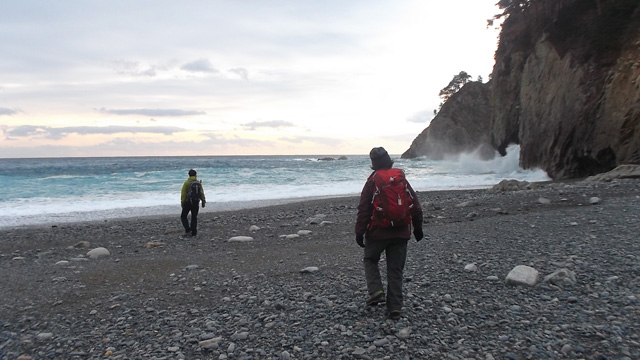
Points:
point(462, 125)
point(566, 86)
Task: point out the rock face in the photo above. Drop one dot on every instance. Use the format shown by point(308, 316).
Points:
point(462, 125)
point(566, 86)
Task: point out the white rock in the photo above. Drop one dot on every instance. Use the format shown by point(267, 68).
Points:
point(173, 349)
point(470, 268)
point(324, 223)
point(304, 232)
point(253, 228)
point(522, 275)
point(213, 343)
point(469, 203)
point(18, 258)
point(595, 200)
point(315, 219)
point(309, 269)
point(561, 277)
point(44, 336)
point(544, 201)
point(404, 333)
point(62, 263)
point(192, 267)
point(292, 236)
point(240, 239)
point(98, 252)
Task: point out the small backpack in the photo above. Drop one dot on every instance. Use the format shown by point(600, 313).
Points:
point(392, 200)
point(193, 193)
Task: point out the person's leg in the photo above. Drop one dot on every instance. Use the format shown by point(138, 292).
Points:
point(184, 219)
point(372, 252)
point(194, 220)
point(396, 258)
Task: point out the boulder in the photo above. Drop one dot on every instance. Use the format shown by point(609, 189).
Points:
point(626, 171)
point(561, 277)
point(240, 239)
point(98, 252)
point(522, 275)
point(513, 185)
point(310, 269)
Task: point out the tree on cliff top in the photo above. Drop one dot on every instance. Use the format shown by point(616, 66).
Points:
point(456, 84)
point(512, 6)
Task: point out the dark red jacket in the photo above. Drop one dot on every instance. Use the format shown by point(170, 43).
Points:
point(365, 210)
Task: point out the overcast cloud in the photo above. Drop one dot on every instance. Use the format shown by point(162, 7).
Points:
point(264, 77)
point(60, 132)
point(5, 111)
point(151, 112)
point(267, 124)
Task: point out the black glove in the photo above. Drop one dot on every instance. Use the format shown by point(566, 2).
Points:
point(203, 204)
point(417, 232)
point(360, 240)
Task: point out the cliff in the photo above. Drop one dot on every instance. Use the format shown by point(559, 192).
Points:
point(566, 86)
point(462, 125)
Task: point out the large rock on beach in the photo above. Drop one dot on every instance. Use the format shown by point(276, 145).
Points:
point(561, 277)
point(98, 252)
point(240, 239)
point(627, 171)
point(522, 275)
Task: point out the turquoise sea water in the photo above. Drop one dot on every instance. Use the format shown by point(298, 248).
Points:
point(55, 190)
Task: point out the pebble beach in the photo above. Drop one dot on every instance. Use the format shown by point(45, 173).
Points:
point(287, 282)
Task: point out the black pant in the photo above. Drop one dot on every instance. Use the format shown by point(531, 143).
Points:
point(396, 253)
point(186, 208)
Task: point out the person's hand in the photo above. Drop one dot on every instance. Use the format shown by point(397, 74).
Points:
point(417, 232)
point(203, 204)
point(360, 240)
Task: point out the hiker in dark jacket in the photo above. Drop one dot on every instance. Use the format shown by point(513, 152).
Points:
point(190, 206)
point(391, 240)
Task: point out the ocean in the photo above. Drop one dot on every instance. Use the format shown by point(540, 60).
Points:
point(62, 190)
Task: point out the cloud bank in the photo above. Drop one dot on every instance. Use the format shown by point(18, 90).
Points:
point(60, 132)
point(151, 112)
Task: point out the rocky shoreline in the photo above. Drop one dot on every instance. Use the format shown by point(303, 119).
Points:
point(286, 282)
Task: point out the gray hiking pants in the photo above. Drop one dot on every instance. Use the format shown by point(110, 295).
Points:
point(396, 254)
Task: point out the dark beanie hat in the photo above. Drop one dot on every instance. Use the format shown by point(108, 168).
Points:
point(192, 172)
point(380, 159)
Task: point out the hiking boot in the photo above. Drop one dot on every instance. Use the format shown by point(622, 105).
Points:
point(375, 298)
point(395, 314)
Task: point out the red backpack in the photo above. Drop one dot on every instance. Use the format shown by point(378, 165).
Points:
point(392, 200)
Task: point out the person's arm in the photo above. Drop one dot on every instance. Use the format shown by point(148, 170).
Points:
point(416, 214)
point(365, 208)
point(183, 193)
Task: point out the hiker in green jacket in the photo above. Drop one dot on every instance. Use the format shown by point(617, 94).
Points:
point(192, 194)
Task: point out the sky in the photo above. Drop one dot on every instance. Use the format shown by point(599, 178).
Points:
point(253, 77)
